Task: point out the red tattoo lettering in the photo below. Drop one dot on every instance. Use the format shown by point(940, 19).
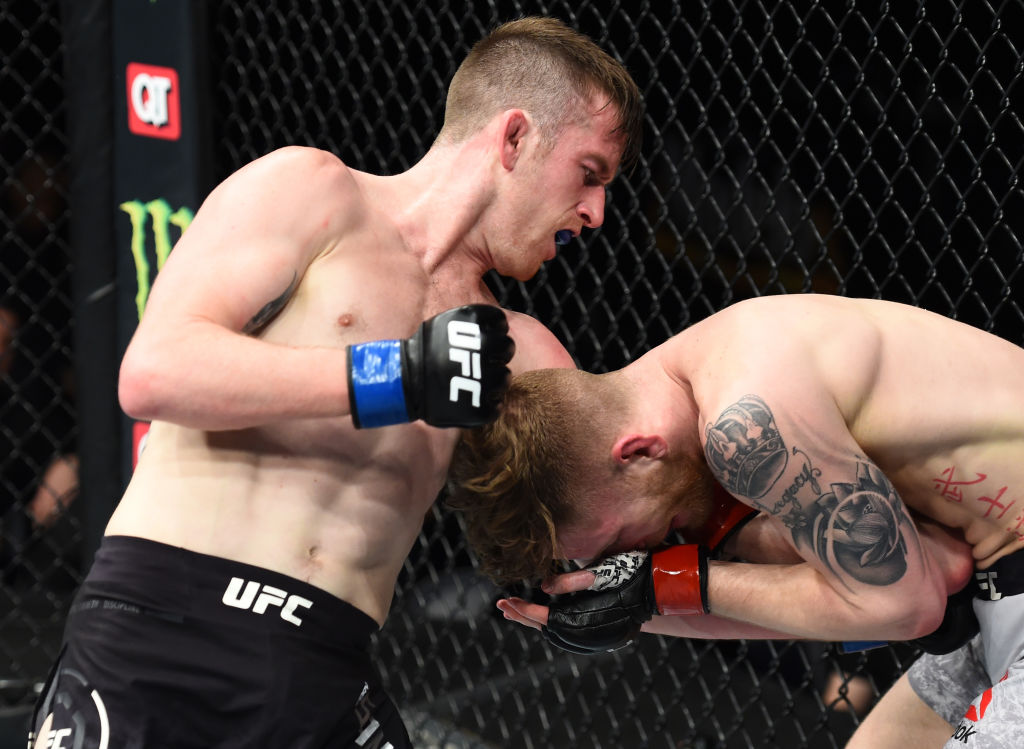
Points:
point(994, 502)
point(1016, 529)
point(950, 489)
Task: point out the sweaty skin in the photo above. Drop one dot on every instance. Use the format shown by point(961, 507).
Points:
point(881, 442)
point(252, 455)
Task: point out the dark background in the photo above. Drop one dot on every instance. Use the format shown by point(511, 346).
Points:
point(789, 147)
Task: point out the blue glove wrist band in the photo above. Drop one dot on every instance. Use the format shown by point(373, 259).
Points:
point(855, 646)
point(375, 382)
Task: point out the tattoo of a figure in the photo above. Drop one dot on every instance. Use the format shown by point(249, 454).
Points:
point(269, 310)
point(855, 527)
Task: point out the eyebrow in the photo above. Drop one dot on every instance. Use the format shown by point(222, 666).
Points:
point(603, 171)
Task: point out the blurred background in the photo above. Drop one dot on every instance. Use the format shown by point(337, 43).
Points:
point(790, 147)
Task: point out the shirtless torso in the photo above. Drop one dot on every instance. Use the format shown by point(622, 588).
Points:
point(254, 554)
point(936, 404)
point(302, 494)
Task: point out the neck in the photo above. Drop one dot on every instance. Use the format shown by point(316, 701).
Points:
point(441, 202)
point(663, 403)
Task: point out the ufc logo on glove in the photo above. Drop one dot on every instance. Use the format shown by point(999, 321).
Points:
point(464, 338)
point(462, 351)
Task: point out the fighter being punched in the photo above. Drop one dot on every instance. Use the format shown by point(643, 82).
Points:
point(882, 470)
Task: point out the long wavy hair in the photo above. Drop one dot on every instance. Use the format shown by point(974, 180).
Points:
point(520, 478)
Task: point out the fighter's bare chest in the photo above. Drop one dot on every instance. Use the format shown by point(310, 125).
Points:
point(341, 304)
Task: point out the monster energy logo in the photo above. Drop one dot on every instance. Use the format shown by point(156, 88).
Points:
point(162, 220)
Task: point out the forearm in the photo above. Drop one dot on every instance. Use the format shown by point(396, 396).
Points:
point(797, 599)
point(711, 627)
point(208, 377)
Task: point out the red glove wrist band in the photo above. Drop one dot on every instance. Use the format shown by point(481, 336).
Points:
point(680, 576)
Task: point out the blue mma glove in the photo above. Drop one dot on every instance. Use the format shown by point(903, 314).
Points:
point(451, 373)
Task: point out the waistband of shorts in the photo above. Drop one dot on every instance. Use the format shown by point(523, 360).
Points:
point(150, 577)
point(1006, 574)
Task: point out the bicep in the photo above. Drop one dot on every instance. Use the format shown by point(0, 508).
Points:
point(795, 460)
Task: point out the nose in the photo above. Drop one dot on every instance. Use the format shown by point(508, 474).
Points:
point(591, 208)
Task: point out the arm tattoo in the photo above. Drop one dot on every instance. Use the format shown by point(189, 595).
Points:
point(269, 311)
point(744, 448)
point(854, 527)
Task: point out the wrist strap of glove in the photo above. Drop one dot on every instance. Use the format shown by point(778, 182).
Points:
point(857, 646)
point(680, 578)
point(375, 391)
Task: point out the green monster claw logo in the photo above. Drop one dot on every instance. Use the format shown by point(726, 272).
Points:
point(163, 219)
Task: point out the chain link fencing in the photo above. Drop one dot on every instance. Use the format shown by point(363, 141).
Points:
point(39, 538)
point(789, 147)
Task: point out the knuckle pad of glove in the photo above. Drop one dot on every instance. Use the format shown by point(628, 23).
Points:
point(461, 384)
point(598, 621)
point(573, 647)
point(592, 634)
point(489, 316)
point(497, 347)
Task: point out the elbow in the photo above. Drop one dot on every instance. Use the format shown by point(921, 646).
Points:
point(928, 617)
point(138, 389)
point(920, 617)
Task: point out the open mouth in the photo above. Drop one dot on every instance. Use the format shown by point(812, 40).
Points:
point(563, 237)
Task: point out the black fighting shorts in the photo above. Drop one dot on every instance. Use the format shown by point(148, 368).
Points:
point(168, 648)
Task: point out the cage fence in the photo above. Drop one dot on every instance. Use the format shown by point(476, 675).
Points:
point(789, 147)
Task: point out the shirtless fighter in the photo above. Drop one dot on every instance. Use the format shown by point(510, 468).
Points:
point(879, 442)
point(303, 349)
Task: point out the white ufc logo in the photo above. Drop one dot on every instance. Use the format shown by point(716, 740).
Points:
point(987, 581)
point(464, 339)
point(149, 98)
point(55, 739)
point(256, 598)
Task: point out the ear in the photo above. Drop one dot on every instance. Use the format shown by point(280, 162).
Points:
point(514, 126)
point(630, 447)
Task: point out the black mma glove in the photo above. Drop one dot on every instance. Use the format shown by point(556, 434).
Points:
point(628, 590)
point(632, 587)
point(451, 373)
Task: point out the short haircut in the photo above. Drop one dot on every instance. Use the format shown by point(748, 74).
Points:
point(544, 67)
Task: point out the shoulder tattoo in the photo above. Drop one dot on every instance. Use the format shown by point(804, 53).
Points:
point(744, 448)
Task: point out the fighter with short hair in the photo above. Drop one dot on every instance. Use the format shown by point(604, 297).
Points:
point(256, 549)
